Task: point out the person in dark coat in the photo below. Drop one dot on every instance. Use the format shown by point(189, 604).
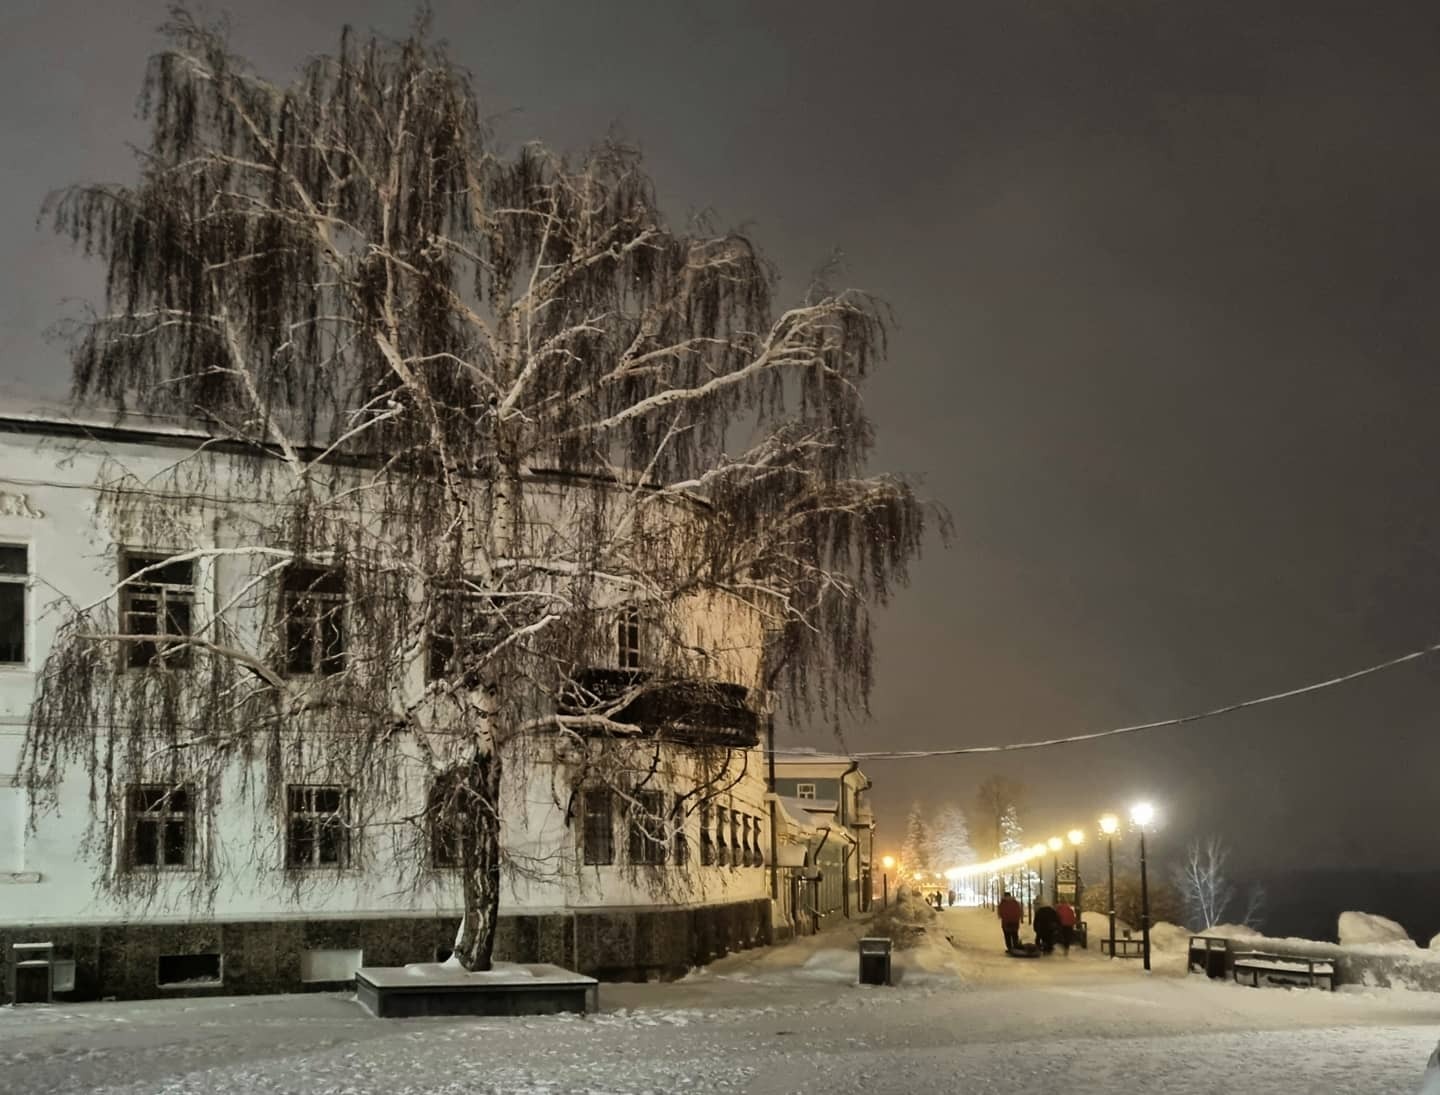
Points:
point(1066, 912)
point(1047, 926)
point(1010, 913)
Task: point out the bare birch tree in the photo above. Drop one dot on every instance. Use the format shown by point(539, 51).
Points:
point(414, 344)
point(1204, 883)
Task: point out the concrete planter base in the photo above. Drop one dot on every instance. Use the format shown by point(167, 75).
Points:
point(398, 992)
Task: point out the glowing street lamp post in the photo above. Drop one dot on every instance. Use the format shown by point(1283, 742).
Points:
point(1141, 814)
point(1108, 824)
point(1055, 844)
point(1077, 838)
point(889, 864)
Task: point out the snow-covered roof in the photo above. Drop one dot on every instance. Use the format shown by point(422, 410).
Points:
point(795, 821)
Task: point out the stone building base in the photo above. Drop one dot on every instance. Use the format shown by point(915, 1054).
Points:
point(137, 961)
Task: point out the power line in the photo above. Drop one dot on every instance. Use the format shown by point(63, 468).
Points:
point(915, 754)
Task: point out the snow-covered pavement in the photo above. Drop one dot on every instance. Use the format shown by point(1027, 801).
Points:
point(963, 1019)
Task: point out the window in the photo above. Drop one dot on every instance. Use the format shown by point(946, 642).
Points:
point(159, 826)
point(185, 970)
point(319, 834)
point(682, 845)
point(627, 639)
point(314, 620)
point(721, 843)
point(599, 834)
point(805, 790)
point(759, 846)
point(647, 828)
point(157, 603)
point(735, 854)
point(475, 617)
point(707, 839)
point(745, 833)
point(443, 833)
point(14, 575)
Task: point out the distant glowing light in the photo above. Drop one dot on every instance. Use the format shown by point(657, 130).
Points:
point(1108, 824)
point(1077, 836)
point(1142, 814)
point(889, 862)
point(1056, 843)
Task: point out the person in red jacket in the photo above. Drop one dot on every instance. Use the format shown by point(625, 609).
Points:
point(1066, 912)
point(1010, 914)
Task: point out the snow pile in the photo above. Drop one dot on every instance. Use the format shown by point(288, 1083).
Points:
point(1232, 931)
point(1361, 928)
point(906, 922)
point(1170, 937)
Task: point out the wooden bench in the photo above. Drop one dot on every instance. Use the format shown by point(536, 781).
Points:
point(1124, 948)
point(1284, 969)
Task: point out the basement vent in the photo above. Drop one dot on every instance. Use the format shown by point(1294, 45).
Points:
point(183, 971)
point(330, 965)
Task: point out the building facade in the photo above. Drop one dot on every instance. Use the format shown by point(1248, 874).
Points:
point(210, 886)
point(831, 791)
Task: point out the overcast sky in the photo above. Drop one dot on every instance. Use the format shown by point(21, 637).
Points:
point(1166, 278)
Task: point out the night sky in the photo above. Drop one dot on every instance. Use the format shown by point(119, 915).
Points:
point(1166, 279)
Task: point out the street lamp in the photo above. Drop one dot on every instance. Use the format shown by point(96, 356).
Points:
point(1055, 844)
point(889, 864)
point(1108, 824)
point(1141, 814)
point(1077, 838)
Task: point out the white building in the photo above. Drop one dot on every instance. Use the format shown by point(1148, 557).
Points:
point(241, 897)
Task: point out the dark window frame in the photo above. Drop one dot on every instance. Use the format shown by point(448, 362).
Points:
point(153, 814)
point(682, 843)
point(317, 827)
point(707, 837)
point(629, 653)
point(14, 604)
point(482, 618)
point(597, 838)
point(313, 611)
point(646, 828)
point(172, 600)
point(442, 837)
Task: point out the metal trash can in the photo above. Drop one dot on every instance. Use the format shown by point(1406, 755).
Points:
point(1207, 955)
point(32, 973)
point(875, 960)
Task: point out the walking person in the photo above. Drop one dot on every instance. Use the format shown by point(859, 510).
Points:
point(1046, 922)
point(1066, 912)
point(1010, 913)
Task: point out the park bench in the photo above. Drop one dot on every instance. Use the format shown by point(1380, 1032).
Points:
point(1284, 969)
point(1124, 948)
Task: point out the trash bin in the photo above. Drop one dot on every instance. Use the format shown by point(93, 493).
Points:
point(1215, 963)
point(1207, 956)
point(874, 960)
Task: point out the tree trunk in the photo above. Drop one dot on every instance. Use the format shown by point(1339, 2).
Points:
point(480, 861)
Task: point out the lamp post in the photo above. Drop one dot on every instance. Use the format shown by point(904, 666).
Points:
point(889, 864)
point(1055, 844)
point(1077, 838)
point(1108, 824)
point(1141, 814)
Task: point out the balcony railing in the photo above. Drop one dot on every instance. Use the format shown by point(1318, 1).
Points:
point(690, 711)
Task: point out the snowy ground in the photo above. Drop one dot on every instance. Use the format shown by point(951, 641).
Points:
point(961, 1019)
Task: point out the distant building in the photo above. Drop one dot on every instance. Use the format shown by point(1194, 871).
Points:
point(830, 791)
